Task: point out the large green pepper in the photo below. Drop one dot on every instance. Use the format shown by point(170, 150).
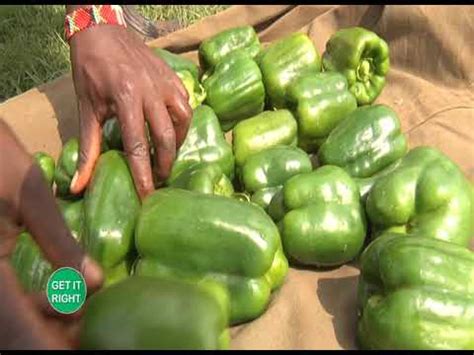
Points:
point(266, 130)
point(193, 236)
point(235, 89)
point(47, 166)
point(319, 102)
point(216, 48)
point(195, 90)
point(320, 217)
point(111, 207)
point(143, 313)
point(206, 178)
point(362, 57)
point(425, 194)
point(178, 63)
point(366, 184)
point(285, 60)
point(66, 168)
point(31, 268)
point(267, 170)
point(205, 142)
point(367, 141)
point(416, 293)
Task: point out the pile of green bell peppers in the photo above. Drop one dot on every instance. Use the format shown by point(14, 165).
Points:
point(245, 199)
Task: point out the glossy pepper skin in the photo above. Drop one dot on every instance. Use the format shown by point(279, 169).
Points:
point(177, 62)
point(319, 102)
point(366, 184)
point(193, 236)
point(47, 166)
point(235, 89)
point(205, 142)
point(362, 57)
point(31, 268)
point(270, 168)
point(427, 194)
point(162, 314)
point(320, 217)
point(66, 168)
point(111, 207)
point(347, 145)
point(266, 130)
point(112, 135)
point(196, 91)
point(416, 293)
point(206, 178)
point(216, 48)
point(285, 60)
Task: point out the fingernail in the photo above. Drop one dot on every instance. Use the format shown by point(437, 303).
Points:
point(73, 181)
point(92, 273)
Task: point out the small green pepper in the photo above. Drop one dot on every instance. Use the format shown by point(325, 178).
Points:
point(362, 57)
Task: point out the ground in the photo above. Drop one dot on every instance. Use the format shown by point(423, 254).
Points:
point(32, 46)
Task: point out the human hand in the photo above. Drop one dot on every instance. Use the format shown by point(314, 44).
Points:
point(27, 321)
point(117, 75)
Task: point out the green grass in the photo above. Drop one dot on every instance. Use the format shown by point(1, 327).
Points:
point(32, 48)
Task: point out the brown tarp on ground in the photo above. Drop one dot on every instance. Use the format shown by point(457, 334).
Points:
point(430, 86)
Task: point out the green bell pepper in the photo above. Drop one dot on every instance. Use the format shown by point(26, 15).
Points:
point(367, 141)
point(144, 313)
point(177, 62)
point(366, 184)
point(47, 166)
point(241, 196)
point(321, 219)
point(205, 142)
point(196, 91)
point(187, 71)
point(264, 196)
point(235, 89)
point(238, 39)
point(319, 102)
point(66, 168)
point(270, 168)
point(193, 236)
point(31, 268)
point(111, 207)
point(425, 194)
point(285, 60)
point(416, 293)
point(111, 135)
point(206, 178)
point(362, 57)
point(266, 130)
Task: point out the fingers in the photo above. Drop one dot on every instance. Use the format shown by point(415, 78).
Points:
point(182, 114)
point(43, 219)
point(21, 324)
point(136, 147)
point(90, 140)
point(163, 136)
point(176, 81)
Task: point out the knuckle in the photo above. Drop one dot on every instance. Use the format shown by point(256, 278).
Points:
point(138, 150)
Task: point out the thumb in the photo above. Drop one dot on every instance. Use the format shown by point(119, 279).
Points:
point(89, 148)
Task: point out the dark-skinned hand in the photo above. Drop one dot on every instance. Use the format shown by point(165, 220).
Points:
point(117, 75)
point(26, 320)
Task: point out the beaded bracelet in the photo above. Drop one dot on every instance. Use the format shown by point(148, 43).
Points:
point(84, 18)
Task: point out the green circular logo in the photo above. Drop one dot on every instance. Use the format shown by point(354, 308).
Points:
point(66, 290)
